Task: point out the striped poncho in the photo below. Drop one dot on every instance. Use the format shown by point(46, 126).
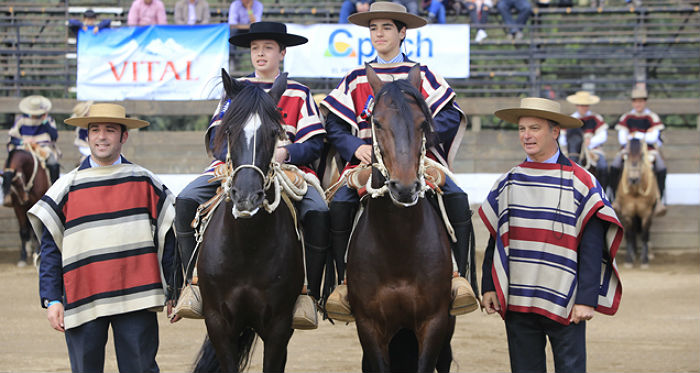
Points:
point(536, 214)
point(110, 225)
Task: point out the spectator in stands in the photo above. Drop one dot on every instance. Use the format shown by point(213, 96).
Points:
point(436, 10)
point(524, 8)
point(351, 7)
point(147, 12)
point(242, 13)
point(479, 15)
point(411, 5)
point(192, 12)
point(89, 22)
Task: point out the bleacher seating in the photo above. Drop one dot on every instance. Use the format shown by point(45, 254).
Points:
point(606, 49)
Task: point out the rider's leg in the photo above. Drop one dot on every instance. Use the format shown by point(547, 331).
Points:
point(615, 173)
point(602, 170)
point(54, 168)
point(459, 214)
point(313, 212)
point(660, 171)
point(186, 204)
point(342, 214)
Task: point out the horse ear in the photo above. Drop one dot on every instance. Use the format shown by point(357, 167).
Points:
point(414, 76)
point(374, 81)
point(278, 87)
point(231, 86)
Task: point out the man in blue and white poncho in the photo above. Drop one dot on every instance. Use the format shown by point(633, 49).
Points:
point(550, 260)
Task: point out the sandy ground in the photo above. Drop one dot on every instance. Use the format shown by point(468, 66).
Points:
point(657, 329)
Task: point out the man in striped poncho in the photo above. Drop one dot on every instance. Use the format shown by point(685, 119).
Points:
point(107, 249)
point(550, 260)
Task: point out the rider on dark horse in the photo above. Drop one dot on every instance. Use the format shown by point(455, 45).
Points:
point(35, 125)
point(595, 131)
point(267, 42)
point(644, 124)
point(349, 132)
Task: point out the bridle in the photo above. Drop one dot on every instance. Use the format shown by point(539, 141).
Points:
point(381, 167)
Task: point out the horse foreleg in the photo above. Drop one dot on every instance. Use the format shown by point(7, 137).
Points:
point(25, 236)
point(224, 338)
point(275, 341)
point(431, 337)
point(631, 236)
point(646, 227)
point(375, 346)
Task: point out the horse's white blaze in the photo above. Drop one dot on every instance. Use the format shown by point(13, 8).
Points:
point(251, 127)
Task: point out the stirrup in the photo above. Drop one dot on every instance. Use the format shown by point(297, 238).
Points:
point(660, 209)
point(463, 299)
point(189, 305)
point(337, 305)
point(305, 317)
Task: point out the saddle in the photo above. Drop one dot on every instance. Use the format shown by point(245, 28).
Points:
point(357, 178)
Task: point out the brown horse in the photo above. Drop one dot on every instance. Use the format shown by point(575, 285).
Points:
point(636, 196)
point(399, 265)
point(25, 181)
point(250, 266)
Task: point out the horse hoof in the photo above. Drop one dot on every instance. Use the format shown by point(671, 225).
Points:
point(22, 263)
point(644, 266)
point(628, 265)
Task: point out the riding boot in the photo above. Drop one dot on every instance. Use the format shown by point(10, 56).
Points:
point(316, 242)
point(660, 208)
point(54, 171)
point(341, 219)
point(189, 304)
point(459, 214)
point(614, 181)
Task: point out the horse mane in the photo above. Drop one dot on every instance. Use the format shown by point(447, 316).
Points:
point(396, 91)
point(249, 101)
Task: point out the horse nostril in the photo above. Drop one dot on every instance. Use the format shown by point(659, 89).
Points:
point(416, 186)
point(392, 184)
point(259, 196)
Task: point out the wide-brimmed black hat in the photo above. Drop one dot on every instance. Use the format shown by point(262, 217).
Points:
point(90, 14)
point(267, 30)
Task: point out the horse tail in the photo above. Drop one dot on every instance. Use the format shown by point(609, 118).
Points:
point(403, 352)
point(206, 359)
point(208, 363)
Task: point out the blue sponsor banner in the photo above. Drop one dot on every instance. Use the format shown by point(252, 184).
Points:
point(152, 62)
point(333, 50)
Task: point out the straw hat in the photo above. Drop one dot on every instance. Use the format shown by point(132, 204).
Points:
point(81, 109)
point(583, 98)
point(387, 10)
point(639, 92)
point(267, 31)
point(106, 113)
point(35, 105)
point(540, 108)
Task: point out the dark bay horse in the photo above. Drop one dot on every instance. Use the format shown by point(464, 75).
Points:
point(636, 196)
point(399, 266)
point(25, 181)
point(250, 266)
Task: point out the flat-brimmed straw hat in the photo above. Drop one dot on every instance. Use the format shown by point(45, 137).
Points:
point(639, 92)
point(267, 31)
point(81, 109)
point(583, 98)
point(540, 108)
point(35, 105)
point(107, 113)
point(387, 10)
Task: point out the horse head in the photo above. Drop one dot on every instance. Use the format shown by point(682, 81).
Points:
point(634, 162)
point(250, 130)
point(402, 130)
point(574, 143)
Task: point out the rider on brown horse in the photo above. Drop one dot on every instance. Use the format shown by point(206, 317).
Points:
point(595, 132)
point(348, 107)
point(646, 125)
point(35, 125)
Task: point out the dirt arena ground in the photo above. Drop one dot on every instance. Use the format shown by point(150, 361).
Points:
point(657, 329)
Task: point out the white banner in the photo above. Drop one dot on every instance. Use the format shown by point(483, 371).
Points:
point(335, 49)
point(152, 62)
